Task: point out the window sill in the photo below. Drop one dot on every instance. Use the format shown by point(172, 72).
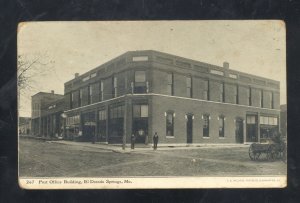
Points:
point(222, 138)
point(170, 137)
point(206, 137)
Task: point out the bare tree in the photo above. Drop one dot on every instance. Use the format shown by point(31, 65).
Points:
point(30, 67)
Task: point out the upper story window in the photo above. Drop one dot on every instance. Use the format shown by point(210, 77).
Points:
point(206, 90)
point(115, 86)
point(71, 99)
point(222, 92)
point(189, 87)
point(90, 94)
point(101, 94)
point(170, 84)
point(261, 94)
point(236, 94)
point(80, 97)
point(272, 100)
point(140, 82)
point(248, 92)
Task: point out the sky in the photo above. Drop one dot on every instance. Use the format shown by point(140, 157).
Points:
point(255, 47)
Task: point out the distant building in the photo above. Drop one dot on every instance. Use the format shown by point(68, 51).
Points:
point(183, 100)
point(283, 120)
point(40, 105)
point(24, 125)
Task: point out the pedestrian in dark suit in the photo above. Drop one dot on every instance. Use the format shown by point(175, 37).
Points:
point(132, 141)
point(155, 140)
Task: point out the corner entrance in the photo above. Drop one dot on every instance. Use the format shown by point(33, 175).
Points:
point(140, 123)
point(189, 128)
point(239, 131)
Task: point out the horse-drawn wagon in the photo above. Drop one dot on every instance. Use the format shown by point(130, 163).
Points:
point(269, 149)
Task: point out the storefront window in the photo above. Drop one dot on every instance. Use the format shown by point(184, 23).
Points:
point(116, 123)
point(102, 126)
point(268, 126)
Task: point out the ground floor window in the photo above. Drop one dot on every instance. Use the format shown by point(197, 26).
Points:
point(102, 126)
point(170, 124)
point(116, 124)
point(221, 126)
point(268, 126)
point(73, 127)
point(205, 125)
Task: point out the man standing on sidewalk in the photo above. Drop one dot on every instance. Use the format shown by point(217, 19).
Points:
point(132, 140)
point(155, 140)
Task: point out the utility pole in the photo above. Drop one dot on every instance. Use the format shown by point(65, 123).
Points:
point(125, 123)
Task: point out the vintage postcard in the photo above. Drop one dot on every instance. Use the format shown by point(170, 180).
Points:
point(152, 104)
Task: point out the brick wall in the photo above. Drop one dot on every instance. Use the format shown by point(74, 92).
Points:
point(181, 107)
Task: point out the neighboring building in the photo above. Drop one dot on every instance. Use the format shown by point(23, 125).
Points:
point(283, 120)
point(39, 102)
point(24, 126)
point(183, 100)
point(51, 119)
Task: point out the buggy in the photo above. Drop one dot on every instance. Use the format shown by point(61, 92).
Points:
point(269, 149)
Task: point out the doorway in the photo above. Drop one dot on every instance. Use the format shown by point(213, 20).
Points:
point(251, 128)
point(189, 128)
point(239, 131)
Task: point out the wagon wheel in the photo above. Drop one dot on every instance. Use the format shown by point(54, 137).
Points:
point(271, 153)
point(252, 154)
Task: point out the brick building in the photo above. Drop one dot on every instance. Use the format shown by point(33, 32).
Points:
point(41, 111)
point(183, 100)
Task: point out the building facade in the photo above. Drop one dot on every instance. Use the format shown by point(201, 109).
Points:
point(41, 109)
point(183, 100)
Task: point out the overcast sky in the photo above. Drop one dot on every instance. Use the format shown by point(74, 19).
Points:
point(255, 47)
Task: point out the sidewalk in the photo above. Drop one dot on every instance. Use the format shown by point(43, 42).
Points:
point(143, 148)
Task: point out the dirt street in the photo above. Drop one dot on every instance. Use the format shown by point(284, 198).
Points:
point(44, 159)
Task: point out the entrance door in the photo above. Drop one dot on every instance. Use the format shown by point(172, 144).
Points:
point(239, 131)
point(140, 129)
point(189, 128)
point(251, 128)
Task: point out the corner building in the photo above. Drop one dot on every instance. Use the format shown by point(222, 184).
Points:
point(183, 100)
